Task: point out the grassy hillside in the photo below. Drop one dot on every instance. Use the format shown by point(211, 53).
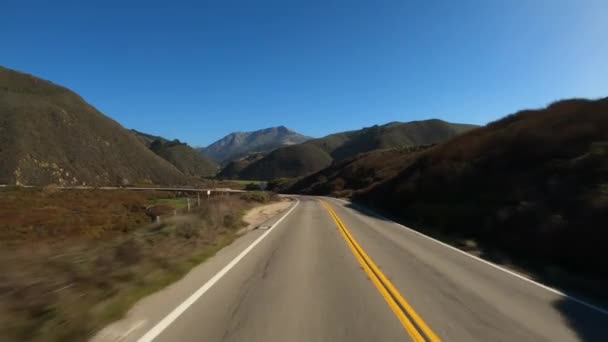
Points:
point(183, 157)
point(288, 161)
point(345, 145)
point(532, 187)
point(48, 134)
point(395, 134)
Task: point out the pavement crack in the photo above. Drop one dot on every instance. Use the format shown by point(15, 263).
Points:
point(268, 262)
point(246, 289)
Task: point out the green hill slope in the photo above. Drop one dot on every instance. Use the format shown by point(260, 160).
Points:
point(234, 168)
point(290, 161)
point(49, 134)
point(183, 157)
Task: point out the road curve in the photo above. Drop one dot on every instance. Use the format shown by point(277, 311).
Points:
point(329, 272)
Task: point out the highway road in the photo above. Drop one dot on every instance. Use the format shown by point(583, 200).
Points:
point(327, 271)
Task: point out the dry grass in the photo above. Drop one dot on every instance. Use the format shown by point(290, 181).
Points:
point(27, 215)
point(84, 257)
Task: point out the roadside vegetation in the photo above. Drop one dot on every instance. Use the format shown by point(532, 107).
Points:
point(244, 182)
point(74, 260)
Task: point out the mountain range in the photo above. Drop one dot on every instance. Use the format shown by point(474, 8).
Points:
point(316, 154)
point(49, 134)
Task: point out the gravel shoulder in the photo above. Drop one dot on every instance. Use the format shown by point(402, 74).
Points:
point(258, 215)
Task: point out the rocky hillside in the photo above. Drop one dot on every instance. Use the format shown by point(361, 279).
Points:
point(239, 144)
point(183, 157)
point(49, 134)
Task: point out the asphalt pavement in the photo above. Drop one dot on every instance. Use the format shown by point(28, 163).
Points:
point(328, 271)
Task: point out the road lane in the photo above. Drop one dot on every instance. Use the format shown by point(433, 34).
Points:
point(303, 283)
point(463, 299)
point(415, 326)
point(300, 284)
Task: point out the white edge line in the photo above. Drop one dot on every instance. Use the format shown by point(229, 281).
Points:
point(180, 309)
point(550, 289)
point(131, 330)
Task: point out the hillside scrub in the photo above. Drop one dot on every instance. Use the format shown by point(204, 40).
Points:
point(531, 186)
point(354, 175)
point(84, 257)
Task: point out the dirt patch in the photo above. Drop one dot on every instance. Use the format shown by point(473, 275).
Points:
point(259, 215)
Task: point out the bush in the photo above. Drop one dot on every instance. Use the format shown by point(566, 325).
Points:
point(230, 220)
point(256, 186)
point(187, 230)
point(257, 196)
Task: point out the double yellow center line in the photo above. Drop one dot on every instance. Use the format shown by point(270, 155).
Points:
point(411, 321)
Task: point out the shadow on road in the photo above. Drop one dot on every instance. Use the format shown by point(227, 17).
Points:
point(589, 324)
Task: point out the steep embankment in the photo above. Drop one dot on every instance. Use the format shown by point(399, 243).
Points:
point(49, 134)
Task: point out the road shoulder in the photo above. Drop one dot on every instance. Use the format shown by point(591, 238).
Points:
point(148, 311)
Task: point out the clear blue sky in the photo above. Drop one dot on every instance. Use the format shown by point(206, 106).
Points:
point(197, 71)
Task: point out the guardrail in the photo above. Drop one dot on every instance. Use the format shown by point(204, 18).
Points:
point(135, 188)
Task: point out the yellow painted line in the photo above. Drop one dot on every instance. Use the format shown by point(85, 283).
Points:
point(407, 325)
point(384, 286)
point(391, 288)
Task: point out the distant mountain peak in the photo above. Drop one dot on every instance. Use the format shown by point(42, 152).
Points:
point(239, 144)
